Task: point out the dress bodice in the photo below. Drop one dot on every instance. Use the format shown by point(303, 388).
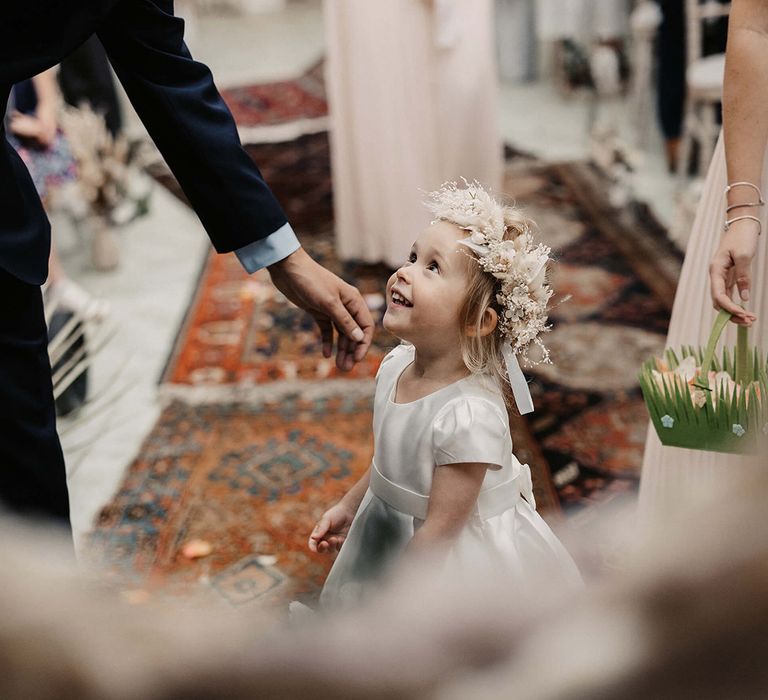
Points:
point(465, 421)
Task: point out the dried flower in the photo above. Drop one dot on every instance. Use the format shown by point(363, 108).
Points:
point(518, 263)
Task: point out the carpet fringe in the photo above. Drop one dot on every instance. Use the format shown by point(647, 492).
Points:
point(258, 394)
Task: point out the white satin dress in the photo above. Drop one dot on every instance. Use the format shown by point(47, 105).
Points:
point(463, 422)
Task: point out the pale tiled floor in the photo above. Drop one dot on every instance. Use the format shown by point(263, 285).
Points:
point(162, 253)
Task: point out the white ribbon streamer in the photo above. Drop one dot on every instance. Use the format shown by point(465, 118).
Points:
point(517, 380)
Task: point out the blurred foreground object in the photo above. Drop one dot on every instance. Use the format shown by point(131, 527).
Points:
point(682, 616)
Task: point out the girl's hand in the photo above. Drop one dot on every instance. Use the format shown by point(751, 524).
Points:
point(731, 265)
point(331, 530)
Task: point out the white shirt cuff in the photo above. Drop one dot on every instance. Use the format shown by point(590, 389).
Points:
point(267, 251)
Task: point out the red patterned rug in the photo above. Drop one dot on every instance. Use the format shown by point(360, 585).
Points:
point(261, 434)
point(268, 104)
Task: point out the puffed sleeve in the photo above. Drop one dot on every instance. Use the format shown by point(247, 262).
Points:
point(404, 351)
point(470, 430)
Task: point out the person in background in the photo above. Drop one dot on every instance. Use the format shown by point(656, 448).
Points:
point(728, 266)
point(412, 92)
point(34, 132)
point(177, 100)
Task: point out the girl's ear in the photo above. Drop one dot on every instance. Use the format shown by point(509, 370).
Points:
point(487, 324)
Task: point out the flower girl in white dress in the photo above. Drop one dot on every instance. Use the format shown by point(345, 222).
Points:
point(471, 296)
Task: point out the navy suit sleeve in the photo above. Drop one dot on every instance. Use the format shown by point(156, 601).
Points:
point(186, 117)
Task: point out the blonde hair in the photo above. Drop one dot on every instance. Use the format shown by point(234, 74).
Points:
point(482, 354)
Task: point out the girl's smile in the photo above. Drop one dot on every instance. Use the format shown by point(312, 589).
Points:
point(431, 287)
point(399, 299)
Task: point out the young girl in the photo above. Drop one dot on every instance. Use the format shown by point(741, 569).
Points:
point(443, 478)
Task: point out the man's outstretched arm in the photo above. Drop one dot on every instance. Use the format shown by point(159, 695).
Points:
point(177, 100)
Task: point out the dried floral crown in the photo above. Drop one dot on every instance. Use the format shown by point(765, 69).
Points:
point(517, 262)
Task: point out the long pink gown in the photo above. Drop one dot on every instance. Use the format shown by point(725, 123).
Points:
point(413, 94)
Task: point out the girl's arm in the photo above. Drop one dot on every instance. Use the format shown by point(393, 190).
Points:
point(455, 488)
point(745, 132)
point(331, 530)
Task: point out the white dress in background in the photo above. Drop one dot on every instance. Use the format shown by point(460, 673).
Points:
point(463, 422)
point(673, 477)
point(412, 91)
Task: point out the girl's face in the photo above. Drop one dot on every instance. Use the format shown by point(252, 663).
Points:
point(424, 297)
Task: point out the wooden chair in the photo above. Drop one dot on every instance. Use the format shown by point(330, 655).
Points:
point(704, 88)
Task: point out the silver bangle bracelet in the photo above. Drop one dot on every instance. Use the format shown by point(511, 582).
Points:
point(728, 222)
point(747, 184)
point(746, 205)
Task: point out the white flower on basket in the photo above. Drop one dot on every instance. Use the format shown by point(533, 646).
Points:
point(687, 368)
point(667, 421)
point(722, 382)
point(684, 375)
point(738, 431)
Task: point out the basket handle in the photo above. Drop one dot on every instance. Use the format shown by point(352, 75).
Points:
point(721, 321)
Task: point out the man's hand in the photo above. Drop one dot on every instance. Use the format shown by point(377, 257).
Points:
point(731, 265)
point(331, 301)
point(331, 530)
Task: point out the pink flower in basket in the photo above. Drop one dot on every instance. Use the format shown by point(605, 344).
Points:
point(685, 374)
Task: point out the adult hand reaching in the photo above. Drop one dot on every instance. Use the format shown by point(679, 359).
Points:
point(332, 303)
point(731, 265)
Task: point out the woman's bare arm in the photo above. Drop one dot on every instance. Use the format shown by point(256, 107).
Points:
point(745, 131)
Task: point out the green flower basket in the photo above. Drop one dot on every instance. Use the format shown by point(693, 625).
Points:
point(700, 415)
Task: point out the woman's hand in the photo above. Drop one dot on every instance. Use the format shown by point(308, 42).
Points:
point(731, 265)
point(331, 530)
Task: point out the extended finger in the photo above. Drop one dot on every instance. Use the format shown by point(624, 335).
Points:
point(740, 316)
point(321, 529)
point(356, 306)
point(326, 335)
point(344, 322)
point(721, 282)
point(718, 274)
point(344, 359)
point(743, 276)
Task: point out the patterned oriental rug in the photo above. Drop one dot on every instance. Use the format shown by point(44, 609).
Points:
point(281, 102)
point(260, 434)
